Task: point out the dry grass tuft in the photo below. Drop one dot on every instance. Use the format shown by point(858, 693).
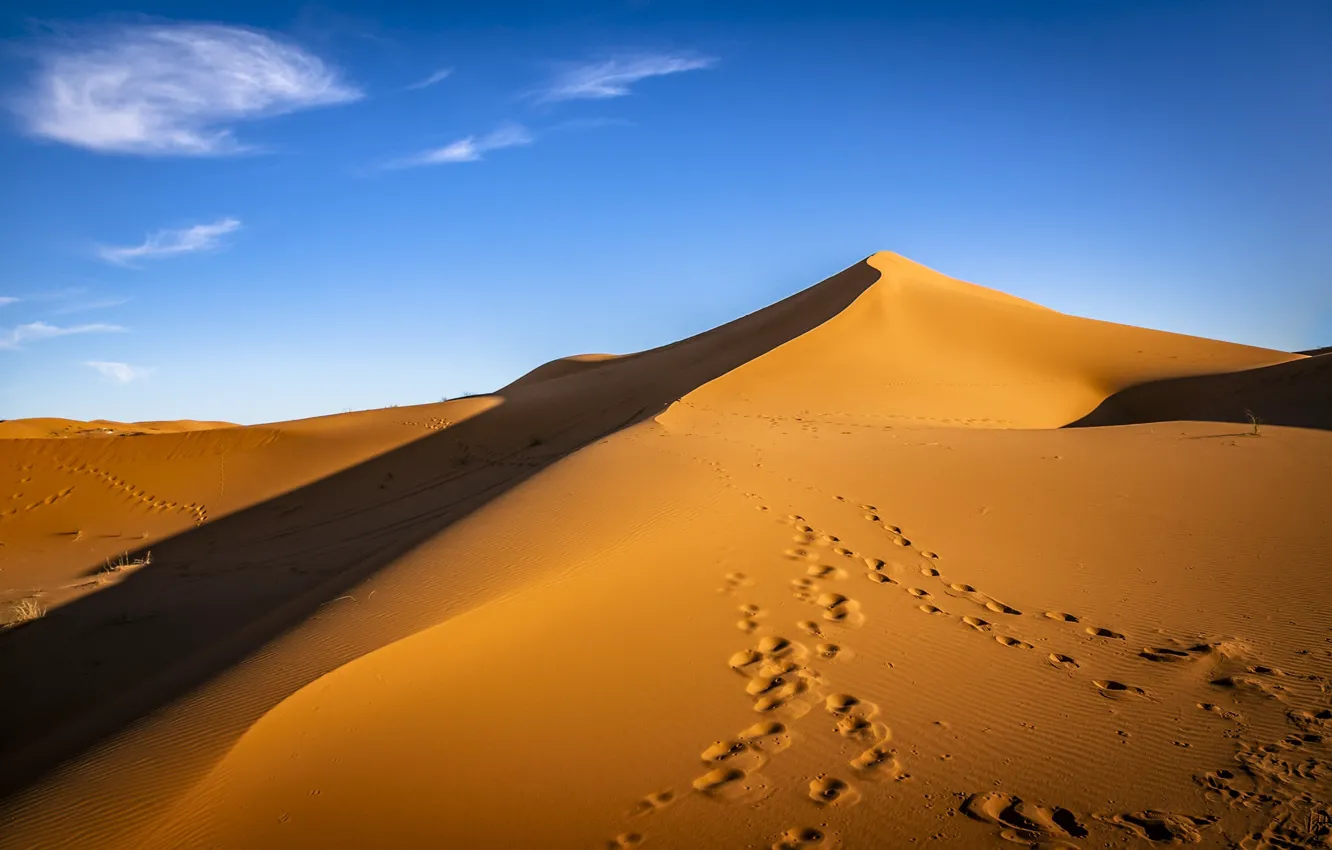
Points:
point(25, 611)
point(124, 562)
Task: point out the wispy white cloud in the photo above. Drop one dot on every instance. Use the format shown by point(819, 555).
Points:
point(438, 77)
point(33, 331)
point(167, 243)
point(169, 89)
point(92, 304)
point(121, 373)
point(7, 299)
point(615, 76)
point(471, 148)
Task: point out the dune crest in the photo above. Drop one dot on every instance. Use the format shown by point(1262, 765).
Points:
point(833, 574)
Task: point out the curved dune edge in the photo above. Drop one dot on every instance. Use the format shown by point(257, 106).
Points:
point(921, 349)
point(56, 428)
point(536, 673)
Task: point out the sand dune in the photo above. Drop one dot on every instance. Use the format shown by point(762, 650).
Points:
point(831, 575)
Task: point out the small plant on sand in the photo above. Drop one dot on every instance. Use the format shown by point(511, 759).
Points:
point(124, 562)
point(1254, 421)
point(25, 611)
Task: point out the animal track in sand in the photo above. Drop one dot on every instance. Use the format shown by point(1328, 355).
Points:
point(805, 838)
point(1117, 690)
point(197, 511)
point(1021, 821)
point(1096, 631)
point(831, 791)
point(1163, 827)
point(810, 627)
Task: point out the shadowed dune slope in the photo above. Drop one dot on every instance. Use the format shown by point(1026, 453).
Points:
point(1297, 393)
point(250, 529)
point(832, 575)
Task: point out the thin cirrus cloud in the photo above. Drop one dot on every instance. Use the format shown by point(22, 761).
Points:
point(469, 149)
point(616, 76)
point(438, 77)
point(121, 373)
point(33, 331)
point(6, 300)
point(170, 89)
point(170, 243)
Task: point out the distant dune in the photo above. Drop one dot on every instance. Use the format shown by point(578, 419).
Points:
point(833, 575)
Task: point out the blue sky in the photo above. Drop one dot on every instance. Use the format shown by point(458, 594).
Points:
point(253, 212)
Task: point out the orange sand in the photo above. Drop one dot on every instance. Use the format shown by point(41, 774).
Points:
point(831, 575)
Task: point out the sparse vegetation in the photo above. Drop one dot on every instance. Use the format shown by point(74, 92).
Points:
point(124, 562)
point(25, 611)
point(1254, 421)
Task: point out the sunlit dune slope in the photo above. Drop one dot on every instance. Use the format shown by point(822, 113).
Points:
point(51, 428)
point(830, 576)
point(924, 349)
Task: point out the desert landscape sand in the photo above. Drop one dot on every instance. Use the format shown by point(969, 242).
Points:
point(897, 561)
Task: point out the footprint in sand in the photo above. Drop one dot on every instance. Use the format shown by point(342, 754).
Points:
point(1012, 642)
point(976, 623)
point(831, 791)
point(1020, 821)
point(1062, 662)
point(931, 609)
point(654, 802)
point(1117, 690)
point(1000, 608)
point(769, 736)
point(624, 841)
point(833, 652)
point(847, 705)
point(805, 838)
point(1163, 827)
point(726, 782)
point(879, 578)
point(810, 627)
point(826, 571)
point(840, 609)
point(879, 761)
point(1061, 616)
point(1095, 631)
point(733, 754)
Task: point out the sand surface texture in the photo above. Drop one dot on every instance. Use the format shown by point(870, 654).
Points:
point(834, 575)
